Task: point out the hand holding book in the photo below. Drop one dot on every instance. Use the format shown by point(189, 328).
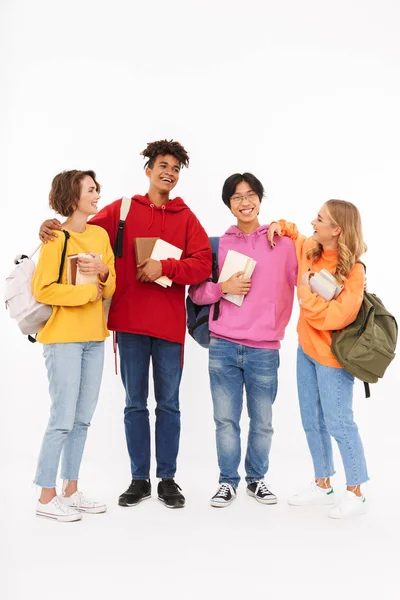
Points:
point(236, 272)
point(323, 283)
point(91, 264)
point(236, 285)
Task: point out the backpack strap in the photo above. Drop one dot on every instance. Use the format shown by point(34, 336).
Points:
point(214, 241)
point(62, 263)
point(64, 252)
point(125, 206)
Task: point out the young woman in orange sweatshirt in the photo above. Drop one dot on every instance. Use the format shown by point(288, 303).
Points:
point(325, 389)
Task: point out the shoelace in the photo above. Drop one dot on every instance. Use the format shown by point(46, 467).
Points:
point(171, 488)
point(223, 491)
point(262, 487)
point(61, 505)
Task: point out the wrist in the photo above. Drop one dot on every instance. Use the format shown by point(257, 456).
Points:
point(104, 273)
point(223, 287)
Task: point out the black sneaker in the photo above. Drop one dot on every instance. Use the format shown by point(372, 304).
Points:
point(224, 497)
point(169, 493)
point(260, 491)
point(140, 489)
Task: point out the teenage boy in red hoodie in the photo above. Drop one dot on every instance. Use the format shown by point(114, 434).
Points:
point(150, 320)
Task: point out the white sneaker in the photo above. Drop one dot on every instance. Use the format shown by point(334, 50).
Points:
point(78, 502)
point(59, 511)
point(224, 496)
point(313, 495)
point(350, 505)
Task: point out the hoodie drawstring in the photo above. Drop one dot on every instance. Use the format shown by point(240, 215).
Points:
point(152, 216)
point(163, 217)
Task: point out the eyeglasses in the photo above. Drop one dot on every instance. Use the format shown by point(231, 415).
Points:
point(237, 199)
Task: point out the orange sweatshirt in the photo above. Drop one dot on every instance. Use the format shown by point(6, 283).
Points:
point(317, 317)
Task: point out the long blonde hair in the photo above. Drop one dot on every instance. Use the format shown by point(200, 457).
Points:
point(351, 244)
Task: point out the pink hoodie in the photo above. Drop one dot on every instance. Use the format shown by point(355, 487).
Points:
point(261, 320)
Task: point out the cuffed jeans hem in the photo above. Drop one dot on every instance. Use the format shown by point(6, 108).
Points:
point(45, 484)
point(254, 479)
point(72, 478)
point(138, 478)
point(325, 475)
point(159, 476)
point(358, 482)
point(230, 482)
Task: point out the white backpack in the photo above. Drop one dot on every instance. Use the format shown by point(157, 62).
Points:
point(29, 314)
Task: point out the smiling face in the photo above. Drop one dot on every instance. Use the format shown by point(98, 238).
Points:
point(325, 232)
point(164, 174)
point(245, 205)
point(89, 197)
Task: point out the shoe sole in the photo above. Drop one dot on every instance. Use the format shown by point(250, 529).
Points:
point(170, 505)
point(215, 504)
point(77, 517)
point(267, 501)
point(126, 505)
point(93, 511)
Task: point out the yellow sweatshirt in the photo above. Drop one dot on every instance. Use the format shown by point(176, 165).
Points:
point(76, 316)
point(319, 318)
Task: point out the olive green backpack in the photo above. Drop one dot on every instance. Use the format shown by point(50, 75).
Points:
point(366, 347)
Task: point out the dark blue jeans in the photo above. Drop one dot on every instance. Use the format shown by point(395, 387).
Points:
point(135, 352)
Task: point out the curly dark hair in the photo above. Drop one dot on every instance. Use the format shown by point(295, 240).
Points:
point(66, 190)
point(163, 147)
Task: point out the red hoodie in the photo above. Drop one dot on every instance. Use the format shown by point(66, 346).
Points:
point(149, 308)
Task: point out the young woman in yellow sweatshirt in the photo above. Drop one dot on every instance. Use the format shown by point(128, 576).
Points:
point(325, 389)
point(73, 341)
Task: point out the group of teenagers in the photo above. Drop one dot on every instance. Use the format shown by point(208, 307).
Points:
point(149, 322)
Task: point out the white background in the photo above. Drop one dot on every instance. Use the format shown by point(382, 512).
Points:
point(305, 95)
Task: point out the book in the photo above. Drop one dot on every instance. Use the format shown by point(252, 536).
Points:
point(235, 262)
point(325, 285)
point(161, 251)
point(74, 276)
point(143, 247)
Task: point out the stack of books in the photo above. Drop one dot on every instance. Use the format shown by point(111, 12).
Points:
point(74, 276)
point(325, 285)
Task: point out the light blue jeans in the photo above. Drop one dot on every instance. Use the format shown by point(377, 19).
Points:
point(74, 372)
point(326, 397)
point(231, 367)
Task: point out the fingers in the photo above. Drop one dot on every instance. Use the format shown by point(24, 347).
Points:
point(46, 234)
point(55, 224)
point(143, 263)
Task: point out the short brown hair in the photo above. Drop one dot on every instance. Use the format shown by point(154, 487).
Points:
point(66, 190)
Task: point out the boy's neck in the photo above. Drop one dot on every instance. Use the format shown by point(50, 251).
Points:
point(158, 198)
point(248, 227)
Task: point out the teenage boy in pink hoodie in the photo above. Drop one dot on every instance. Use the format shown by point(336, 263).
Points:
point(245, 340)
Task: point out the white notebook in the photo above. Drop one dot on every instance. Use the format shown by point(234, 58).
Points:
point(235, 262)
point(161, 251)
point(325, 285)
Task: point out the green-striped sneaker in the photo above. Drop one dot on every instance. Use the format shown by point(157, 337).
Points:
point(313, 496)
point(350, 505)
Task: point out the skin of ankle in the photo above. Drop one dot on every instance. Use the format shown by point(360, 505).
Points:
point(356, 489)
point(47, 495)
point(71, 488)
point(324, 483)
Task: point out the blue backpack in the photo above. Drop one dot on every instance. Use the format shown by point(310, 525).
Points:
point(198, 316)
